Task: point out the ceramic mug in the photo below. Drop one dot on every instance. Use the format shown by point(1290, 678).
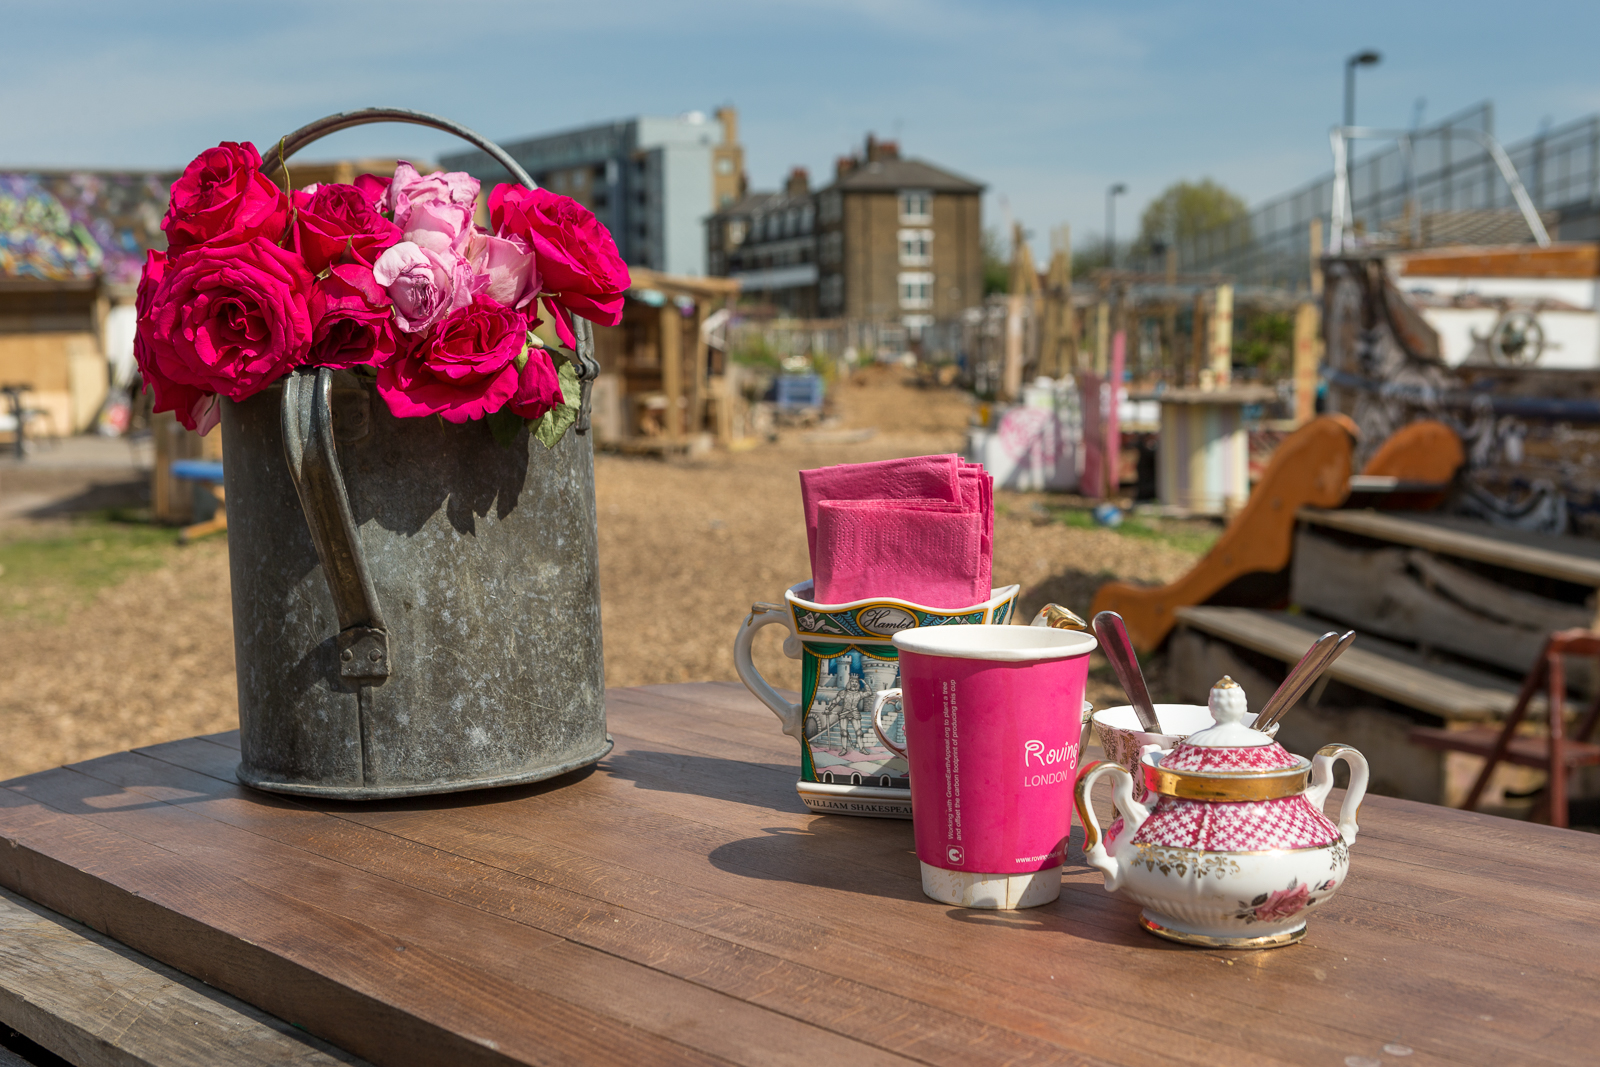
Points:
point(847, 655)
point(992, 726)
point(1124, 740)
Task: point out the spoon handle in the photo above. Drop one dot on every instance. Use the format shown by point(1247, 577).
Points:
point(1113, 634)
point(1290, 689)
point(1332, 652)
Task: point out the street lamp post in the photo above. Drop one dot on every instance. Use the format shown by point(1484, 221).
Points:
point(1360, 59)
point(1112, 193)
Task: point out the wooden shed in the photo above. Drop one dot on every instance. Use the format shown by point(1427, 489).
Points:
point(665, 383)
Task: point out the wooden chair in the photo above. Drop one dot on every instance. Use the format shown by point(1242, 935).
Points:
point(209, 474)
point(1557, 754)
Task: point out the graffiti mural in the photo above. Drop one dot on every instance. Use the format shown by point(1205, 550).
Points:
point(60, 225)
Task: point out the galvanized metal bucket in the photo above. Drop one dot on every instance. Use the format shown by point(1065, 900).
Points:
point(416, 607)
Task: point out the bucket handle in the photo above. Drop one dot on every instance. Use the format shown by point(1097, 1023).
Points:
point(363, 640)
point(273, 159)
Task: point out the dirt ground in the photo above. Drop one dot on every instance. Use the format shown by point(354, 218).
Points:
point(686, 545)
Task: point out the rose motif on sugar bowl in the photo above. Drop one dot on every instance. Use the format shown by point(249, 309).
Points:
point(1231, 848)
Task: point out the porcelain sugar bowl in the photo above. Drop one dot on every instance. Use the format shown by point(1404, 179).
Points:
point(1231, 849)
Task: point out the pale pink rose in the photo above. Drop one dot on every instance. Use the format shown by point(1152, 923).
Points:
point(1283, 904)
point(206, 413)
point(410, 190)
point(505, 269)
point(424, 285)
point(439, 227)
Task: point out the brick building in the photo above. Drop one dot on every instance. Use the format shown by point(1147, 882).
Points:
point(891, 240)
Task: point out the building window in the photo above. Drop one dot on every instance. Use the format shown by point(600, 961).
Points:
point(735, 232)
point(916, 205)
point(916, 290)
point(831, 247)
point(808, 216)
point(724, 165)
point(832, 207)
point(916, 248)
point(831, 292)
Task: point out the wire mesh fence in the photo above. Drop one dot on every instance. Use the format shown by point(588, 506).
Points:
point(1442, 187)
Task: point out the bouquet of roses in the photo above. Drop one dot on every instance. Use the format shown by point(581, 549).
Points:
point(387, 274)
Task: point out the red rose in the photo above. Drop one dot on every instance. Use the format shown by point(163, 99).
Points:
point(352, 322)
point(464, 369)
point(374, 190)
point(227, 320)
point(337, 219)
point(187, 402)
point(580, 270)
point(538, 388)
point(223, 198)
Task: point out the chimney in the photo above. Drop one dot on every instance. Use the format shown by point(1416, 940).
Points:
point(729, 117)
point(879, 151)
point(844, 165)
point(799, 183)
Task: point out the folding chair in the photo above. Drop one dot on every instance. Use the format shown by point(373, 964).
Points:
point(1558, 754)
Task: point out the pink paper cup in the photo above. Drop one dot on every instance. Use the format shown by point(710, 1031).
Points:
point(993, 721)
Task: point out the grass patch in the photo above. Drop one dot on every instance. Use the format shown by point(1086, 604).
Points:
point(1186, 535)
point(47, 571)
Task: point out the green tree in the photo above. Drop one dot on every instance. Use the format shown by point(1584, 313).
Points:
point(996, 266)
point(1187, 209)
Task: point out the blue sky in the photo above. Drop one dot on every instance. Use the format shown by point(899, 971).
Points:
point(1047, 103)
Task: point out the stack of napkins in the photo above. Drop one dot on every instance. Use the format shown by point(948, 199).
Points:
point(919, 529)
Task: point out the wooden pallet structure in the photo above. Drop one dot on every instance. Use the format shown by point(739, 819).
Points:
point(1451, 613)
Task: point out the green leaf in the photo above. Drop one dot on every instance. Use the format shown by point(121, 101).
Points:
point(553, 424)
point(505, 425)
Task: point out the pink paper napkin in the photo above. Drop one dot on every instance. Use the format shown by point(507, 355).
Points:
point(918, 529)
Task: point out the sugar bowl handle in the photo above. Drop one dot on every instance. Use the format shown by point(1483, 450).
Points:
point(1133, 816)
point(879, 701)
point(1322, 782)
point(792, 716)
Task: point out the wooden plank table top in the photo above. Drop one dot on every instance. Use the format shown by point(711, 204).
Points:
point(678, 905)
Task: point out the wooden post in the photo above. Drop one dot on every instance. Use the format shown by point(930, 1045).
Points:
point(1102, 336)
point(1222, 338)
point(1316, 257)
point(1197, 340)
point(1169, 326)
point(1113, 426)
point(1306, 323)
point(697, 382)
point(671, 324)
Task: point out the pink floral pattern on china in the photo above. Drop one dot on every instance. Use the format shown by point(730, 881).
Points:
point(1241, 826)
point(1186, 757)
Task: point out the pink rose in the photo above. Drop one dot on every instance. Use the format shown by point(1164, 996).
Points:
point(352, 321)
point(504, 268)
point(580, 271)
point(465, 369)
point(410, 190)
point(193, 407)
point(223, 198)
point(424, 285)
point(336, 221)
point(538, 388)
point(227, 320)
point(1283, 904)
point(440, 227)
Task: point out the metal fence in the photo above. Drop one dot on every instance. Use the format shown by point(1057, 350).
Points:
point(1443, 187)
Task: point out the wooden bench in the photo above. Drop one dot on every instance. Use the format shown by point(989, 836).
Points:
point(1451, 614)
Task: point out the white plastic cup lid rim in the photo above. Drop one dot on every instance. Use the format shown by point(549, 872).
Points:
point(1002, 642)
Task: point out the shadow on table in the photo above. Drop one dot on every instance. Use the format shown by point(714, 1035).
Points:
point(851, 854)
point(764, 785)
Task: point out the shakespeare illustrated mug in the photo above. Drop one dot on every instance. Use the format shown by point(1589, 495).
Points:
point(847, 656)
point(992, 720)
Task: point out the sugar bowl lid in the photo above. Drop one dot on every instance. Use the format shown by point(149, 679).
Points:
point(1230, 747)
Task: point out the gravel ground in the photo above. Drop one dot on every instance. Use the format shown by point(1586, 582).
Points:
point(686, 545)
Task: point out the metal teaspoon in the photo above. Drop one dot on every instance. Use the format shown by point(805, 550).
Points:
point(1113, 635)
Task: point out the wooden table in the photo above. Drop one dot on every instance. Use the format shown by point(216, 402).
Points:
point(679, 905)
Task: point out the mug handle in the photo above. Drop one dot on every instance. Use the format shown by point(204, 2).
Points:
point(882, 697)
point(792, 716)
point(1133, 813)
